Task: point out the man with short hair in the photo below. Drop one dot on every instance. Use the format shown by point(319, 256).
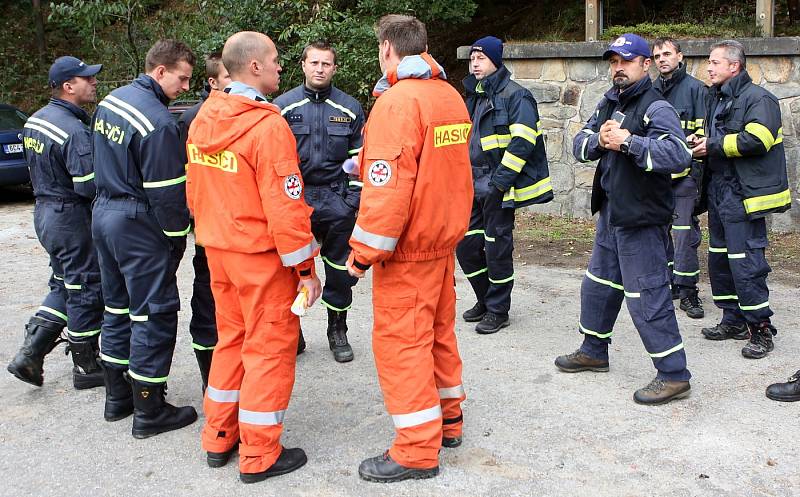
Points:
point(261, 252)
point(509, 171)
point(415, 157)
point(637, 138)
point(203, 325)
point(327, 122)
point(743, 144)
point(58, 149)
point(687, 95)
point(139, 224)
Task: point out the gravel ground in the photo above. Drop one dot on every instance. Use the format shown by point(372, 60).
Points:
point(529, 430)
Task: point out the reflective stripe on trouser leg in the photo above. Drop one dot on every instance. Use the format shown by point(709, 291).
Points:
point(601, 292)
point(499, 239)
point(723, 289)
point(446, 358)
point(471, 253)
point(643, 256)
point(686, 235)
point(747, 241)
point(406, 298)
point(332, 224)
point(203, 324)
point(255, 354)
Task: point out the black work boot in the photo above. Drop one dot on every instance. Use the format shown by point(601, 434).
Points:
point(301, 343)
point(491, 323)
point(725, 331)
point(337, 336)
point(288, 461)
point(152, 414)
point(41, 337)
point(475, 314)
point(691, 304)
point(119, 394)
point(661, 391)
point(86, 372)
point(383, 469)
point(204, 363)
point(220, 459)
point(452, 442)
point(786, 392)
point(760, 343)
point(580, 361)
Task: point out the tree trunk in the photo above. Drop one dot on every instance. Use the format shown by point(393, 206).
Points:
point(38, 20)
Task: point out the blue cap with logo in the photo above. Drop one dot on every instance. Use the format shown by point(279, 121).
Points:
point(67, 67)
point(491, 47)
point(628, 46)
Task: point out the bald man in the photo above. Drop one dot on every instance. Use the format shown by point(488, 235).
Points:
point(260, 252)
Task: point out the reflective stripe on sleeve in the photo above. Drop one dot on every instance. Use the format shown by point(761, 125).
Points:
point(519, 130)
point(729, 145)
point(764, 134)
point(667, 352)
point(221, 396)
point(83, 179)
point(455, 392)
point(299, 255)
point(373, 240)
point(263, 418)
point(767, 202)
point(512, 162)
point(682, 174)
point(417, 418)
point(583, 157)
point(163, 183)
point(492, 142)
point(526, 193)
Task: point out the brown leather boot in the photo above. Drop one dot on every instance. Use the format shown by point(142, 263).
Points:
point(661, 391)
point(578, 361)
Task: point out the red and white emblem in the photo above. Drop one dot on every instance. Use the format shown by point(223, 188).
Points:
point(379, 173)
point(293, 187)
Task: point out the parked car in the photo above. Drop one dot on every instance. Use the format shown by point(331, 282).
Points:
point(177, 108)
point(13, 168)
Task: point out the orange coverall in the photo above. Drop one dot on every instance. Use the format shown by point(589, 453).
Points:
point(245, 191)
point(415, 208)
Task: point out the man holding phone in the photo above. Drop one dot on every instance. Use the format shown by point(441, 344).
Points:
point(637, 138)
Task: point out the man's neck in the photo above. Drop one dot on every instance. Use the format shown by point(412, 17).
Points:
point(69, 98)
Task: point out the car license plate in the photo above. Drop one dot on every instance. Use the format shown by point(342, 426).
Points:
point(14, 148)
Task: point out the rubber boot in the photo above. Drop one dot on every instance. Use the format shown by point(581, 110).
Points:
point(204, 363)
point(119, 395)
point(86, 372)
point(41, 337)
point(337, 336)
point(152, 414)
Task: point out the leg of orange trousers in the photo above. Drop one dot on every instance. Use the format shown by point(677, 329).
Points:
point(221, 402)
point(402, 337)
point(446, 358)
point(266, 290)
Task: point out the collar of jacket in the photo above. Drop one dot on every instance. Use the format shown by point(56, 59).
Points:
point(630, 93)
point(317, 95)
point(205, 92)
point(420, 66)
point(490, 85)
point(147, 83)
point(74, 109)
point(665, 85)
point(734, 86)
point(244, 90)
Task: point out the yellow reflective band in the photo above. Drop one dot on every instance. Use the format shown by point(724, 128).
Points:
point(512, 162)
point(700, 131)
point(114, 310)
point(83, 179)
point(488, 238)
point(89, 333)
point(183, 232)
point(59, 278)
point(492, 142)
point(535, 190)
point(474, 232)
point(166, 182)
point(683, 173)
point(680, 273)
point(763, 133)
point(354, 151)
point(335, 308)
point(340, 107)
point(698, 123)
point(633, 295)
point(740, 255)
point(294, 106)
point(71, 287)
point(476, 273)
point(356, 183)
point(479, 87)
point(724, 297)
point(729, 145)
point(158, 379)
point(139, 319)
point(604, 282)
point(54, 312)
point(595, 333)
point(504, 280)
point(670, 263)
point(754, 307)
point(197, 346)
point(766, 202)
point(676, 227)
point(646, 120)
point(333, 264)
point(114, 360)
point(519, 130)
point(720, 250)
point(668, 352)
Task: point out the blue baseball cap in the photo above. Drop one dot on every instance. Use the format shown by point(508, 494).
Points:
point(67, 67)
point(628, 46)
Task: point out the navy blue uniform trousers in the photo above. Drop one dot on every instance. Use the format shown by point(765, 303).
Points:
point(686, 236)
point(631, 264)
point(203, 324)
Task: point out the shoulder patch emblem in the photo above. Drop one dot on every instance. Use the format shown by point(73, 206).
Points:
point(380, 172)
point(293, 187)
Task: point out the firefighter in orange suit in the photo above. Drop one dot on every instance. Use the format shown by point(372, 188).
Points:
point(246, 193)
point(415, 207)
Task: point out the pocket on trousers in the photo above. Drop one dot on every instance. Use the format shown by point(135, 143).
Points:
point(655, 297)
point(394, 316)
point(92, 293)
point(756, 261)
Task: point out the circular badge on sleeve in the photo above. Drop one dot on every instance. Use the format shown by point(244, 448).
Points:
point(380, 172)
point(293, 187)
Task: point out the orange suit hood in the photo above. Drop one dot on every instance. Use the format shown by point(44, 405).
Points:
point(226, 120)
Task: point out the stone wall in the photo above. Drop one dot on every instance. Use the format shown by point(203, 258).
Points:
point(568, 80)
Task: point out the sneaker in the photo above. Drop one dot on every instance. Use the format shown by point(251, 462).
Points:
point(692, 304)
point(724, 331)
point(491, 323)
point(475, 314)
point(760, 343)
point(579, 361)
point(785, 392)
point(661, 391)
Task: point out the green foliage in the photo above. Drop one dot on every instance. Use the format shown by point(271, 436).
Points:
point(682, 30)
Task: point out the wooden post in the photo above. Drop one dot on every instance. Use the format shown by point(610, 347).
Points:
point(594, 19)
point(765, 17)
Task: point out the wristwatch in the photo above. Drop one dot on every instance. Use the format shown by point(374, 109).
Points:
point(625, 146)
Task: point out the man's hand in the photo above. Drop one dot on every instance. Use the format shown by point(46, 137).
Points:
point(313, 287)
point(354, 271)
point(612, 136)
point(699, 149)
point(604, 129)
